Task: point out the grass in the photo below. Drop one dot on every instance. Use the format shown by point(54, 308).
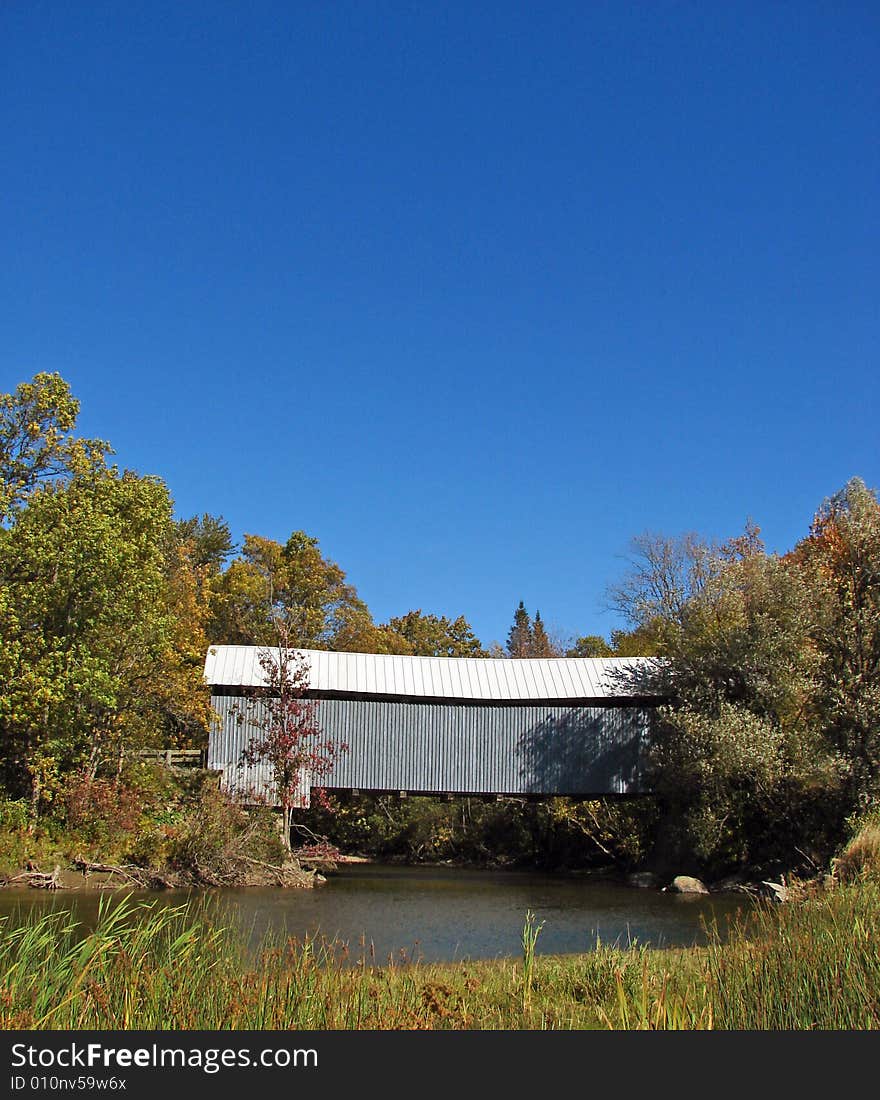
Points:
point(802, 965)
point(815, 965)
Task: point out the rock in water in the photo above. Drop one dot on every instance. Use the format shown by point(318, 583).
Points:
point(684, 884)
point(780, 890)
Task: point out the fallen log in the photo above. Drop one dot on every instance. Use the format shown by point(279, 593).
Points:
point(130, 872)
point(284, 876)
point(37, 879)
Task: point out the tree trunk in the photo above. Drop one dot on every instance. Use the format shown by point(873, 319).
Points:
point(285, 824)
point(35, 802)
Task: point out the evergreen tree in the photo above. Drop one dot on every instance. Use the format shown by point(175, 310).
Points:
point(541, 645)
point(519, 640)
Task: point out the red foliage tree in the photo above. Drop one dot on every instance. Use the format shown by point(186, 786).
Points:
point(290, 742)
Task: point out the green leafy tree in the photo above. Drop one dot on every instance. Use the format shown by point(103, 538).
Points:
point(37, 442)
point(641, 641)
point(295, 584)
point(208, 540)
point(101, 645)
point(239, 604)
point(92, 655)
point(590, 645)
point(428, 635)
point(738, 763)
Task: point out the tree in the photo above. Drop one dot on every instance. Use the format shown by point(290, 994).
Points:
point(530, 639)
point(736, 760)
point(318, 601)
point(841, 563)
point(290, 741)
point(182, 703)
point(591, 645)
point(238, 604)
point(664, 574)
point(641, 641)
point(95, 657)
point(209, 541)
point(293, 583)
point(519, 639)
point(102, 647)
point(428, 635)
point(540, 643)
point(36, 440)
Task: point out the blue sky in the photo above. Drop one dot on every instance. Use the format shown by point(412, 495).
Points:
point(471, 292)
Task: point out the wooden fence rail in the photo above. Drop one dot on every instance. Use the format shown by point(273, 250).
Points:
point(174, 758)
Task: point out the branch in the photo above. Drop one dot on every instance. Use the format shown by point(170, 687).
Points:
point(130, 872)
point(39, 880)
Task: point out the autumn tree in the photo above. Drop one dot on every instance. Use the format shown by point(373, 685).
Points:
point(663, 575)
point(642, 641)
point(289, 741)
point(528, 638)
point(292, 582)
point(37, 444)
point(841, 562)
point(589, 645)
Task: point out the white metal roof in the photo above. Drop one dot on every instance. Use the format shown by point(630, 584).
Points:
point(472, 678)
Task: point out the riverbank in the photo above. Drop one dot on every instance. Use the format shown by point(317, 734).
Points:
point(310, 867)
point(81, 874)
point(213, 843)
point(812, 964)
point(179, 832)
point(157, 829)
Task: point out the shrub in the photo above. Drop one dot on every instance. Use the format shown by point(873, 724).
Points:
point(860, 857)
point(217, 835)
point(13, 814)
point(100, 810)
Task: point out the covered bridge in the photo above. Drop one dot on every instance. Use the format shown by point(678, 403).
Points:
point(449, 725)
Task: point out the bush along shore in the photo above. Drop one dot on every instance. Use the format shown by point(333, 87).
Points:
point(150, 828)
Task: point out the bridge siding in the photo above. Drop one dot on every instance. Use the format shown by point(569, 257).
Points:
point(546, 749)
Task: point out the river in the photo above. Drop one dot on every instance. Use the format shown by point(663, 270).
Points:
point(443, 913)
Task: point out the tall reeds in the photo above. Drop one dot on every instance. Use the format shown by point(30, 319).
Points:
point(806, 964)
